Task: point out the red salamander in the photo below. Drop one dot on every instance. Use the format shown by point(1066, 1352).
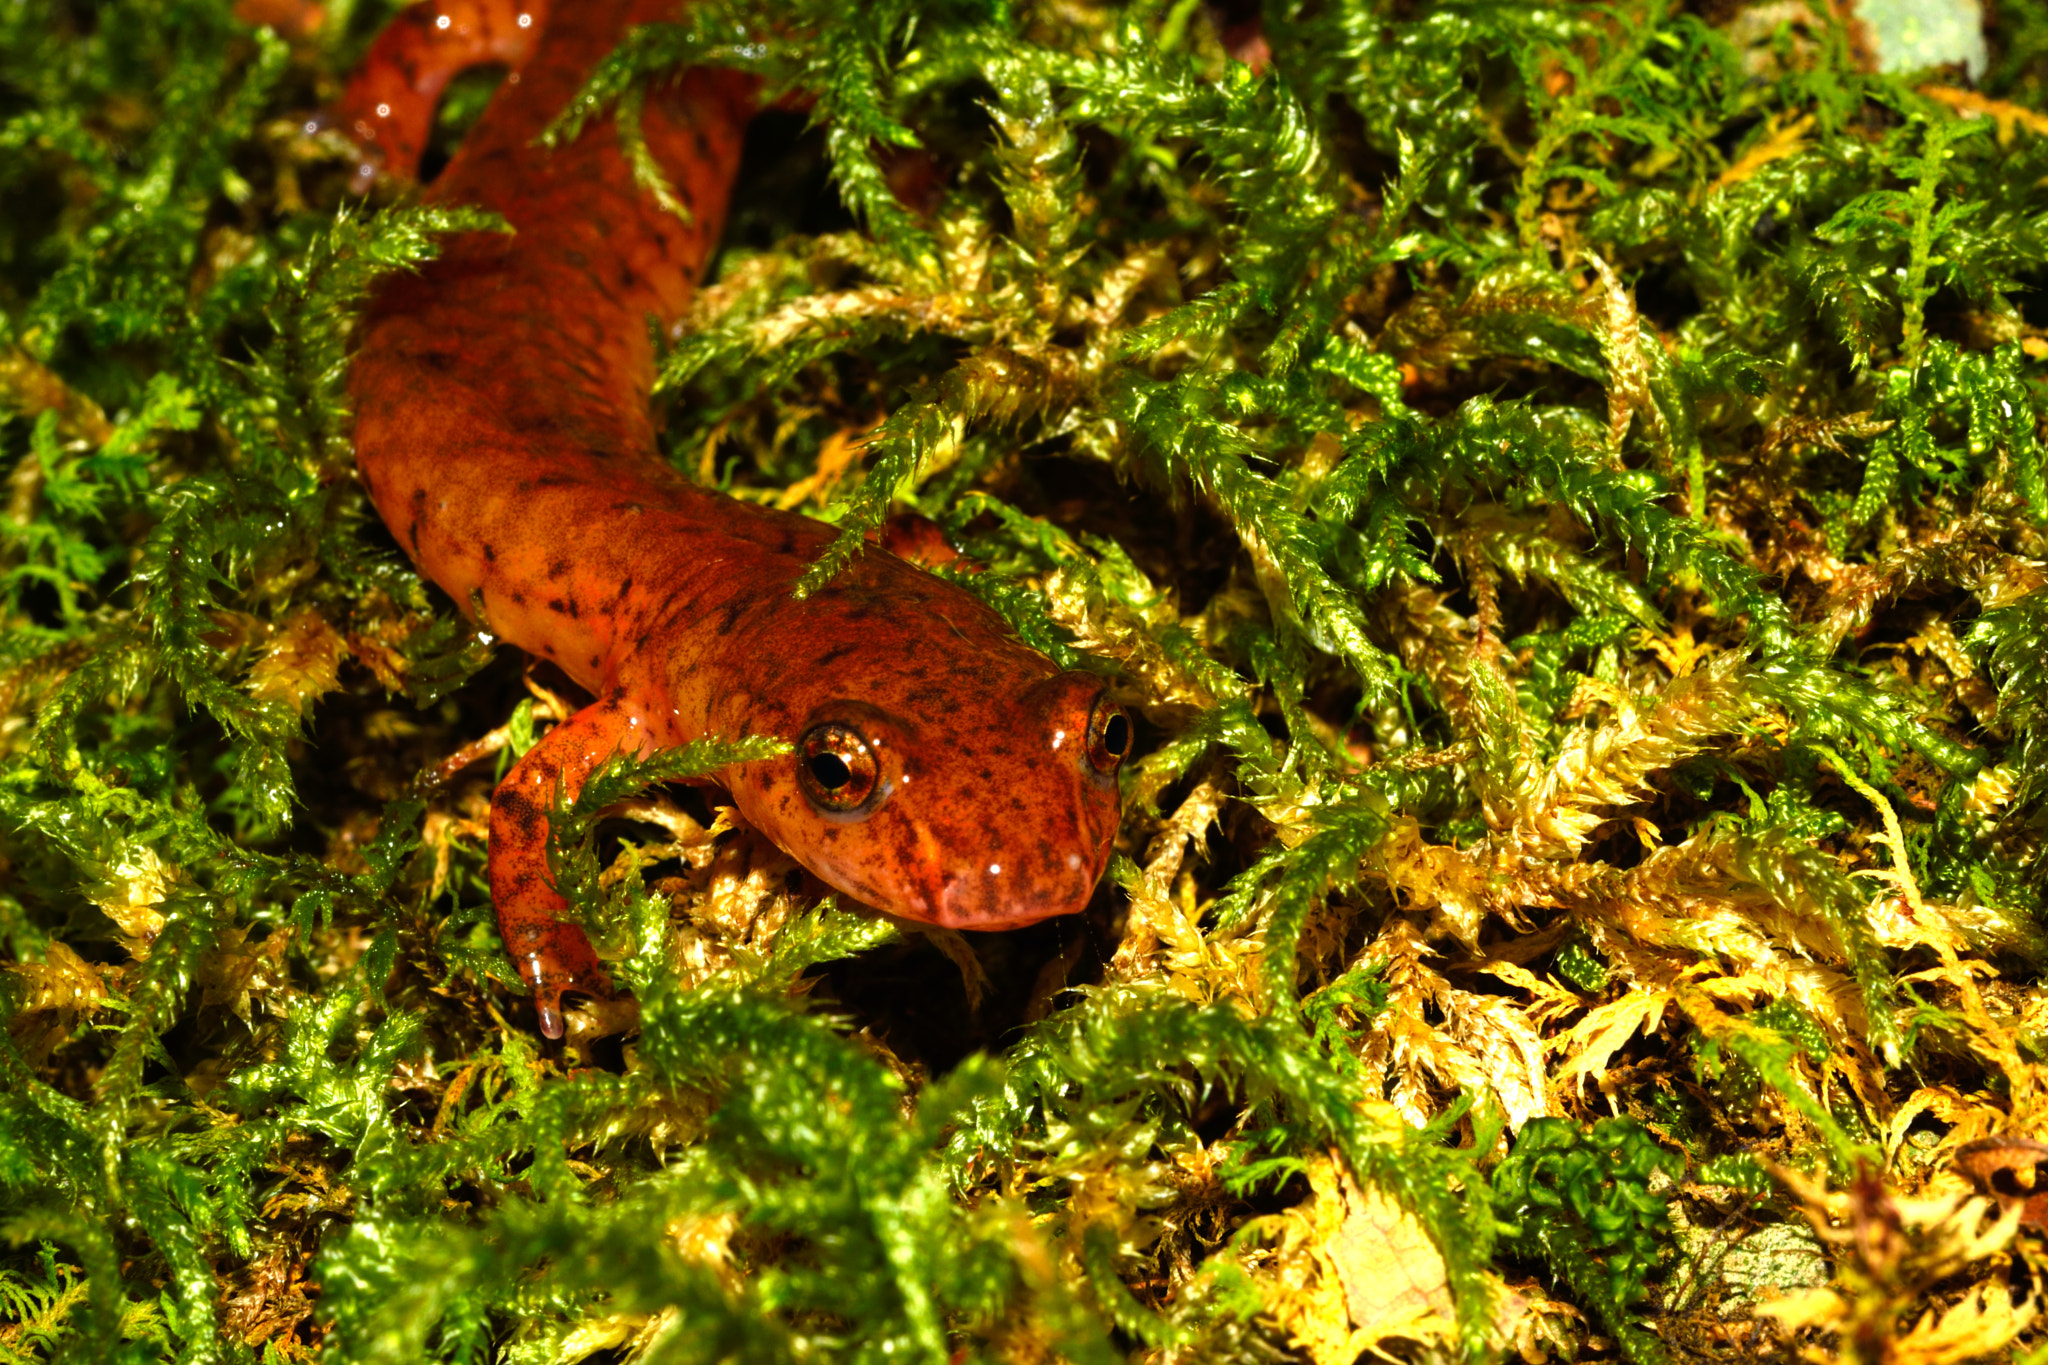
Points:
point(944, 772)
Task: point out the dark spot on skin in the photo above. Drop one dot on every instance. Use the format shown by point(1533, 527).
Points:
point(595, 660)
point(413, 534)
point(518, 597)
point(629, 278)
point(419, 497)
point(534, 423)
point(559, 569)
point(729, 615)
point(576, 259)
point(788, 545)
point(555, 480)
point(835, 654)
point(520, 813)
point(490, 554)
point(613, 294)
point(565, 606)
point(440, 362)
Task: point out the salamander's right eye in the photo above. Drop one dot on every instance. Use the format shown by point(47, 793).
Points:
point(1109, 736)
point(836, 767)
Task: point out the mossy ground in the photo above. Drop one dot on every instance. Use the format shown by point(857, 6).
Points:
point(1561, 487)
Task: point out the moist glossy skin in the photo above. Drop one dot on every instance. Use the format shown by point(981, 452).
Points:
point(502, 429)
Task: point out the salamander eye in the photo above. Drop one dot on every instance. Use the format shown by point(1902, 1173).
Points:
point(1109, 736)
point(837, 769)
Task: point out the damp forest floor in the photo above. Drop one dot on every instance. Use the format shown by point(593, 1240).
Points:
point(1559, 488)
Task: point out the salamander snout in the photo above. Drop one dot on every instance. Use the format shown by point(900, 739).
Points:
point(1058, 789)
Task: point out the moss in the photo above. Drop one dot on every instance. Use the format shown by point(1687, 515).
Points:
point(1561, 487)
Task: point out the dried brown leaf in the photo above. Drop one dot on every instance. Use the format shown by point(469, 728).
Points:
point(1893, 1252)
point(2013, 1170)
point(1353, 1270)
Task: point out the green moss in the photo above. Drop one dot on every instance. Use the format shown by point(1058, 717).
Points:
point(1562, 488)
point(1586, 1204)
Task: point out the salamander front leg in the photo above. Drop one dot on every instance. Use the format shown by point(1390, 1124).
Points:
point(552, 954)
point(388, 108)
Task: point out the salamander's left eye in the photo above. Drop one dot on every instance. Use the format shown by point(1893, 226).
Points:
point(1109, 736)
point(837, 768)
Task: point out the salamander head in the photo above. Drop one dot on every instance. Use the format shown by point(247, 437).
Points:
point(996, 814)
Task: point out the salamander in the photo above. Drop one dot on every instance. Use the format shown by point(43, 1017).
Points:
point(942, 771)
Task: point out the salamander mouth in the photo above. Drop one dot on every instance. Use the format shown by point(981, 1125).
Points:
point(965, 901)
point(1023, 920)
point(989, 901)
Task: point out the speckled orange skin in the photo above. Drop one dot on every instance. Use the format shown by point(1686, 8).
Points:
point(503, 431)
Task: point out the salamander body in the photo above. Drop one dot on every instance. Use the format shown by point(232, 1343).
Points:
point(944, 772)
